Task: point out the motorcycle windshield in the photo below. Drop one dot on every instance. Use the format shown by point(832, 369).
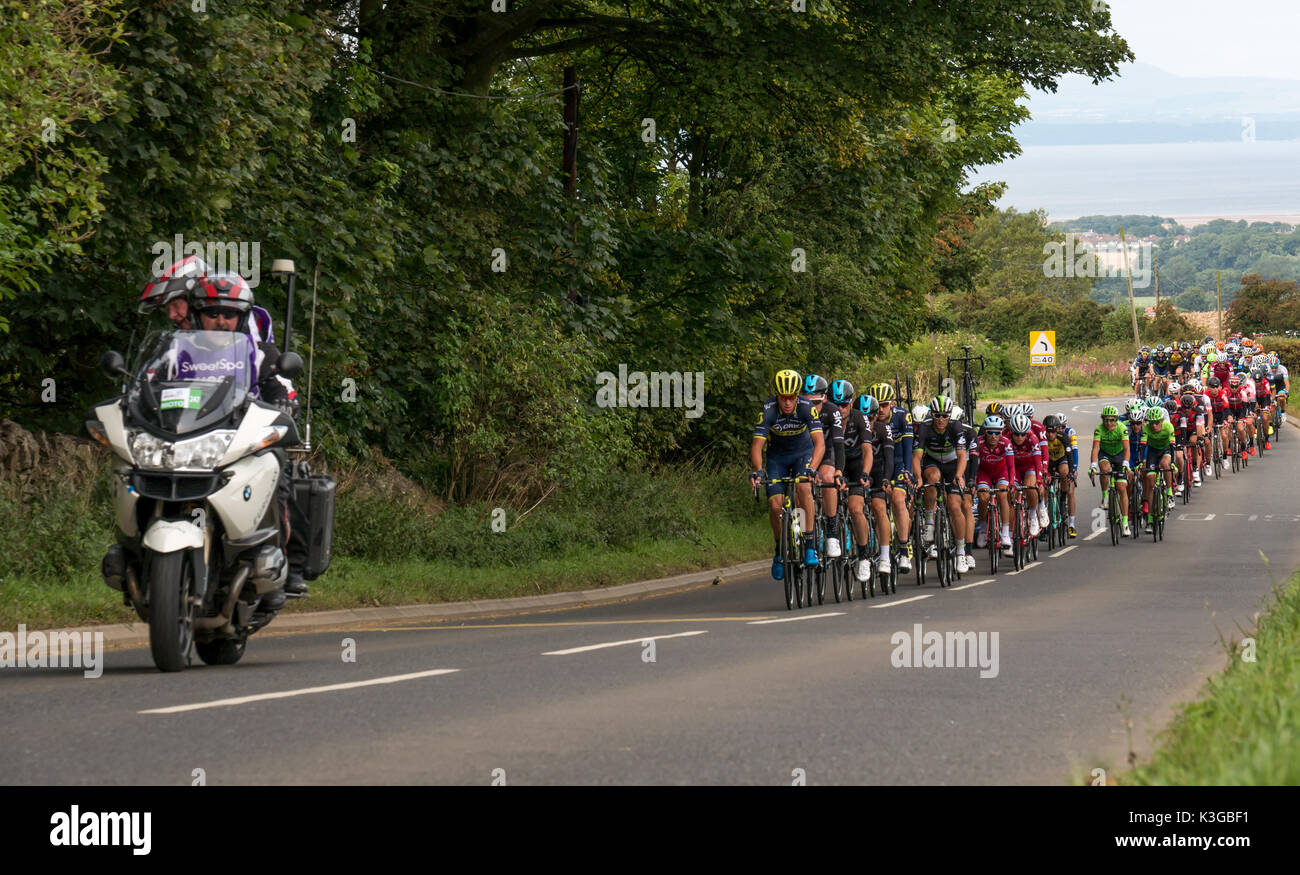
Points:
point(189, 381)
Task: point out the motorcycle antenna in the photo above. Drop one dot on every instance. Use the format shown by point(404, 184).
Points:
point(311, 352)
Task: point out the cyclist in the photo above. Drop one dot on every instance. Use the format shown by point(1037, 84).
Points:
point(868, 475)
point(1141, 368)
point(859, 458)
point(1220, 368)
point(1183, 419)
point(1178, 358)
point(1219, 409)
point(1159, 367)
point(903, 432)
point(831, 471)
point(1028, 462)
point(797, 444)
point(968, 490)
point(1041, 433)
point(1110, 452)
point(1281, 379)
point(1204, 425)
point(1237, 409)
point(1063, 457)
point(942, 448)
point(1263, 403)
point(1156, 446)
point(995, 469)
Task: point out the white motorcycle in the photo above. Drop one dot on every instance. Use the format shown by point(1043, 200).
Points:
point(196, 503)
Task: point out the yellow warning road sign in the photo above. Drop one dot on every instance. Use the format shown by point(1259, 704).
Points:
point(1042, 348)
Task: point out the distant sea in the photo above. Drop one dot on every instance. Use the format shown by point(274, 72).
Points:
point(1230, 179)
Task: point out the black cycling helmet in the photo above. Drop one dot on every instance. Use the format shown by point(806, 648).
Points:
point(814, 384)
point(1213, 383)
point(842, 392)
point(1051, 422)
point(1187, 400)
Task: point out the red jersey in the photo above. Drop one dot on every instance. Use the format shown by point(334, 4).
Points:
point(996, 462)
point(1028, 455)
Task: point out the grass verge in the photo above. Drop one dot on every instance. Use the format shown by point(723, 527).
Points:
point(83, 599)
point(1052, 393)
point(1245, 728)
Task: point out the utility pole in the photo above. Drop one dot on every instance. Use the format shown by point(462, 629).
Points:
point(1218, 281)
point(1123, 245)
point(1156, 256)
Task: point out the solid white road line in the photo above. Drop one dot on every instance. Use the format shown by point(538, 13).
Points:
point(915, 598)
point(1096, 534)
point(1063, 551)
point(242, 700)
point(969, 585)
point(792, 619)
point(1026, 568)
point(641, 640)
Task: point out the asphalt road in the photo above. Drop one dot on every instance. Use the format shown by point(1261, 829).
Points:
point(1092, 636)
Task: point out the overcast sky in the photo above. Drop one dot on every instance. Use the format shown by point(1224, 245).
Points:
point(1213, 37)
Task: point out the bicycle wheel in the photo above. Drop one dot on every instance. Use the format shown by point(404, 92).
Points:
point(788, 562)
point(918, 545)
point(1157, 503)
point(1112, 513)
point(941, 545)
point(868, 589)
point(892, 580)
point(1017, 536)
point(1051, 516)
point(850, 567)
point(993, 534)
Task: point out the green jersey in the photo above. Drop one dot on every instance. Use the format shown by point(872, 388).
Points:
point(1158, 437)
point(1112, 440)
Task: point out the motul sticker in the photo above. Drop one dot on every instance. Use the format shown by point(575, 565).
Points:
point(181, 399)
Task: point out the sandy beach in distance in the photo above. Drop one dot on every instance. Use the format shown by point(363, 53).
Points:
point(1191, 221)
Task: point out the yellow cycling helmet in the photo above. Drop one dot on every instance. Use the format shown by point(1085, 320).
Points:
point(788, 382)
point(884, 393)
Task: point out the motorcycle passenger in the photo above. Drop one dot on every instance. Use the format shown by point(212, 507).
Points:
point(224, 302)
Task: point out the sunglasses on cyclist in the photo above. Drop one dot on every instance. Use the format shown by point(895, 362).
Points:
point(939, 416)
point(1110, 419)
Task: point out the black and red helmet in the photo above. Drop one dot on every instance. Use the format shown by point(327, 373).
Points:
point(223, 290)
point(177, 280)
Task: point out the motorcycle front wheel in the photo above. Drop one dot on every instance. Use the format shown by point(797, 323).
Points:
point(171, 620)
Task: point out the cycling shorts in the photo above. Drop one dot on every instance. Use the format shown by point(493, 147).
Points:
point(787, 465)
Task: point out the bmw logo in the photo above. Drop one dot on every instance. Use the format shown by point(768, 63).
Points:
point(248, 493)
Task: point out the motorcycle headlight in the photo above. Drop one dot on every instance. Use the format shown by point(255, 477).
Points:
point(202, 452)
point(149, 451)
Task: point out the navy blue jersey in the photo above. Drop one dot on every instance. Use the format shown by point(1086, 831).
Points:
point(900, 426)
point(787, 433)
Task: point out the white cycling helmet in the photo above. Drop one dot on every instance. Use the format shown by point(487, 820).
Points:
point(1173, 388)
point(920, 413)
point(957, 413)
point(1020, 424)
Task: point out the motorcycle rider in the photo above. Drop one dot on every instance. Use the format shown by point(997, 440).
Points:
point(173, 289)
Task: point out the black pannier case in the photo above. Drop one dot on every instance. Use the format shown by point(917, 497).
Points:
point(311, 515)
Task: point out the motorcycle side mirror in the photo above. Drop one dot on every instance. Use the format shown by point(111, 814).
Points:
point(112, 364)
point(289, 365)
